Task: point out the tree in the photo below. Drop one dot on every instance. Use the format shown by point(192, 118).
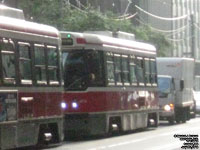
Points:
point(70, 18)
point(145, 34)
point(11, 3)
point(45, 11)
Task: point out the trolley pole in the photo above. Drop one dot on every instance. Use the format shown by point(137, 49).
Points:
point(60, 25)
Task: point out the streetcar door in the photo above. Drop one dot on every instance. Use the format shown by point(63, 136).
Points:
point(8, 118)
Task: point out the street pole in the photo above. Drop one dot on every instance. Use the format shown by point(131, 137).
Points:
point(193, 51)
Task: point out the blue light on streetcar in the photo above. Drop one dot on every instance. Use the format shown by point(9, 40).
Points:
point(74, 105)
point(63, 105)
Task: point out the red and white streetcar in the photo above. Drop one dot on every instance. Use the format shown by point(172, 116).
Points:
point(110, 84)
point(30, 84)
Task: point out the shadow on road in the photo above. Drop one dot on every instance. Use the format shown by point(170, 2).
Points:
point(80, 138)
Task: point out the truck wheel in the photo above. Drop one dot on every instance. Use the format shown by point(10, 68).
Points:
point(171, 120)
point(156, 117)
point(184, 116)
point(178, 120)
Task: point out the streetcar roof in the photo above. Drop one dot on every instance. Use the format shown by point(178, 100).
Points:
point(101, 40)
point(16, 23)
point(11, 12)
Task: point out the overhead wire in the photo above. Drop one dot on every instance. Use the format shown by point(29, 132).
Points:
point(77, 8)
point(196, 26)
point(176, 31)
point(129, 3)
point(160, 30)
point(123, 16)
point(180, 40)
point(127, 17)
point(162, 18)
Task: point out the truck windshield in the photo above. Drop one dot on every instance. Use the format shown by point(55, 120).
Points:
point(82, 68)
point(164, 84)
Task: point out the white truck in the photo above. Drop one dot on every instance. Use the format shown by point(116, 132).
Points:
point(196, 91)
point(175, 82)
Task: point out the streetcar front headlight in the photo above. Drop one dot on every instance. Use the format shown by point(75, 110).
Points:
point(74, 105)
point(63, 105)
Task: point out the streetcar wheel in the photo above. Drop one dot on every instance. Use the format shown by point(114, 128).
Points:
point(114, 125)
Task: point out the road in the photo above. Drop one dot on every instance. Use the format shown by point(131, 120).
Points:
point(162, 138)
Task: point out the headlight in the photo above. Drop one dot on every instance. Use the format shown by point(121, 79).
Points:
point(63, 105)
point(167, 108)
point(74, 105)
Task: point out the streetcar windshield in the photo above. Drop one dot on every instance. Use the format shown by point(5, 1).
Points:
point(82, 68)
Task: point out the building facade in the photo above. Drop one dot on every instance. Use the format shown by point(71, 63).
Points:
point(182, 26)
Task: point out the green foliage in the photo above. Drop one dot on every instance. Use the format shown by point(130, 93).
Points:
point(42, 11)
point(75, 20)
point(145, 34)
point(68, 18)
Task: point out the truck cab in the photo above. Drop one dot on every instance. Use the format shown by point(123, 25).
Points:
point(166, 89)
point(196, 95)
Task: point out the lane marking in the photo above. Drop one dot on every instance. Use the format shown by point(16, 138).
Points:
point(168, 146)
point(178, 144)
point(119, 144)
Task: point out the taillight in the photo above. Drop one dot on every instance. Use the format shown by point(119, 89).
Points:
point(81, 41)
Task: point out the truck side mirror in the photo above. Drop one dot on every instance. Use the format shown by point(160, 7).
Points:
point(181, 85)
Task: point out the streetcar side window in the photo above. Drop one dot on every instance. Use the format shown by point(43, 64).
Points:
point(133, 78)
point(140, 70)
point(25, 63)
point(153, 71)
point(118, 69)
point(125, 70)
point(40, 66)
point(95, 68)
point(8, 61)
point(110, 69)
point(52, 53)
point(147, 72)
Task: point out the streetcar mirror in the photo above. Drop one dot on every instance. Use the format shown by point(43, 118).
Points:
point(92, 77)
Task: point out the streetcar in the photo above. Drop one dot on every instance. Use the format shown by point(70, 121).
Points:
point(110, 84)
point(30, 82)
